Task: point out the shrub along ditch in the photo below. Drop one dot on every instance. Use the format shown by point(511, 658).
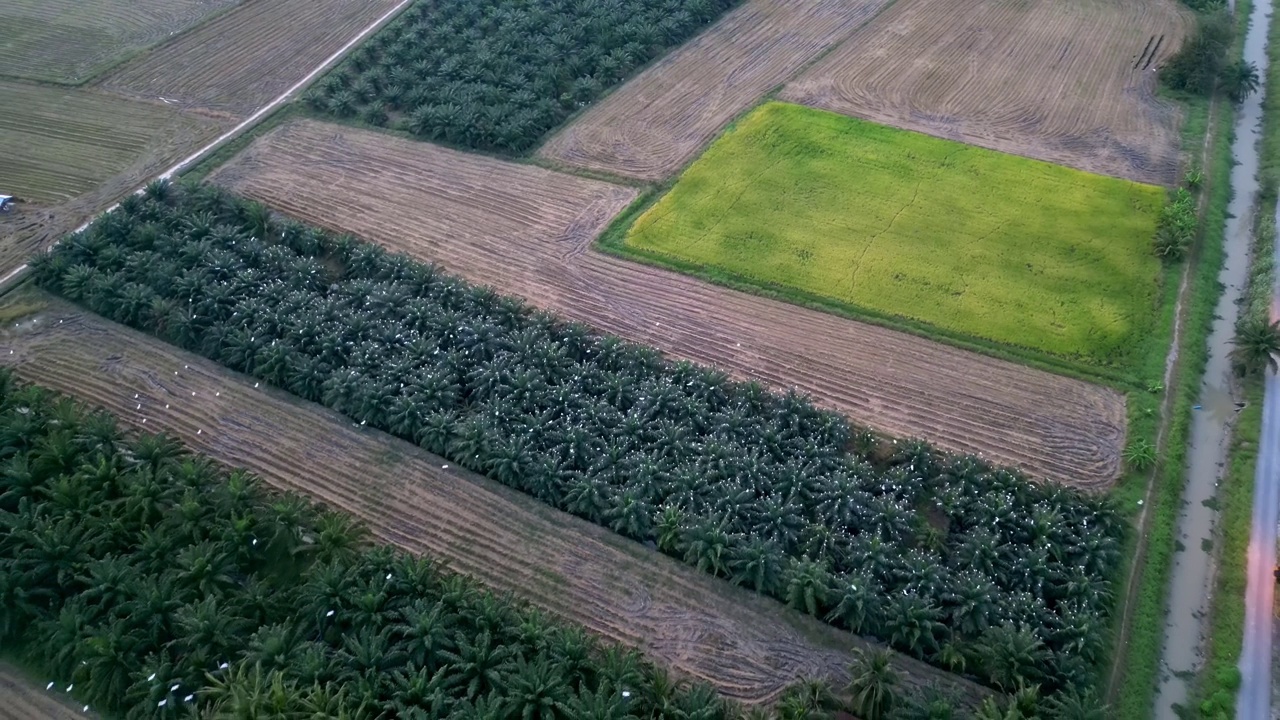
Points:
point(970, 567)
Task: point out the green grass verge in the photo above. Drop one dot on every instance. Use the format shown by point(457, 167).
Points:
point(1134, 693)
point(977, 242)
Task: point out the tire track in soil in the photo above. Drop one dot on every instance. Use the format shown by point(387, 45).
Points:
point(528, 231)
point(746, 646)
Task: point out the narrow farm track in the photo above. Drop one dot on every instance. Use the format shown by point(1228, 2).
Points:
point(241, 60)
point(528, 231)
point(20, 699)
point(654, 124)
point(1070, 83)
point(746, 646)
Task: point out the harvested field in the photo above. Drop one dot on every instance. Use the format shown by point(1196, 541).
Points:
point(246, 57)
point(527, 231)
point(70, 152)
point(661, 119)
point(745, 645)
point(1072, 83)
point(60, 142)
point(22, 699)
point(68, 41)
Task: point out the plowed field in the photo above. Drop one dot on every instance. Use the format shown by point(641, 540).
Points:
point(745, 645)
point(241, 60)
point(657, 122)
point(528, 231)
point(21, 699)
point(1068, 82)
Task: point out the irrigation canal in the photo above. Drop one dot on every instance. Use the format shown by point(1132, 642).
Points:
point(1191, 578)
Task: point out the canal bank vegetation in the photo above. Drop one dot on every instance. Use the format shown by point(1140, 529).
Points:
point(1203, 65)
point(1140, 630)
point(1219, 679)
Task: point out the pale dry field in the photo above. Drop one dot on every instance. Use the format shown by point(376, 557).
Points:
point(69, 153)
point(1067, 82)
point(746, 646)
point(527, 231)
point(68, 41)
point(657, 122)
point(241, 60)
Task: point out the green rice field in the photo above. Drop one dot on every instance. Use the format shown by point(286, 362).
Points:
point(819, 207)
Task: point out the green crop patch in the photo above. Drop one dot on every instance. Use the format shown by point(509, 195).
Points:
point(892, 224)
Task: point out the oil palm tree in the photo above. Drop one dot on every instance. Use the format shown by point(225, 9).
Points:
point(873, 684)
point(757, 564)
point(478, 664)
point(1240, 79)
point(426, 630)
point(1257, 345)
point(536, 690)
point(807, 586)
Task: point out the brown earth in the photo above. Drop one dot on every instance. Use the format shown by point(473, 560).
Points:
point(656, 123)
point(745, 645)
point(22, 699)
point(244, 58)
point(1067, 82)
point(528, 231)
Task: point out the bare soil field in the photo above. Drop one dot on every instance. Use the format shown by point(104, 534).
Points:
point(71, 152)
point(21, 699)
point(241, 60)
point(528, 231)
point(68, 41)
point(747, 646)
point(1067, 82)
point(654, 124)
